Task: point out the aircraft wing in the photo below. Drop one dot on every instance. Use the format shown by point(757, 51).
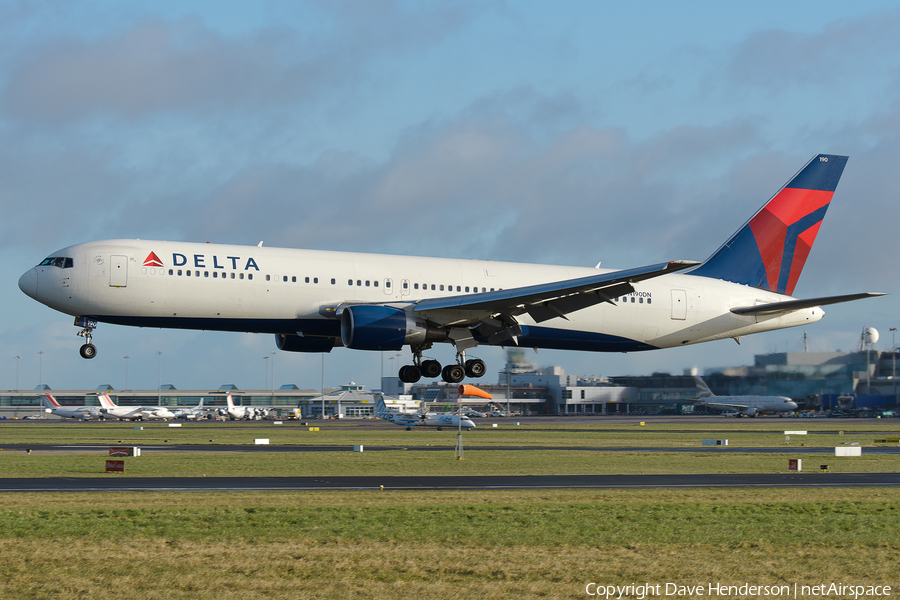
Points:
point(792, 305)
point(548, 300)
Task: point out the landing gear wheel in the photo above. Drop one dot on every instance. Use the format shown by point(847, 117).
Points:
point(475, 368)
point(88, 351)
point(453, 373)
point(410, 374)
point(431, 369)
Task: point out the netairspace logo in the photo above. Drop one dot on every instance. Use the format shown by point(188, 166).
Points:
point(712, 590)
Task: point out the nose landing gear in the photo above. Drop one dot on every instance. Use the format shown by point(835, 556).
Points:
point(88, 350)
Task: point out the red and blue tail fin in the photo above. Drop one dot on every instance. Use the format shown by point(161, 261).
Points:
point(769, 251)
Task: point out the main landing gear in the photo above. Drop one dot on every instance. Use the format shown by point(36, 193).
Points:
point(431, 368)
point(88, 350)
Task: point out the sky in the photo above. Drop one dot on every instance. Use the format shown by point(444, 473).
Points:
point(564, 133)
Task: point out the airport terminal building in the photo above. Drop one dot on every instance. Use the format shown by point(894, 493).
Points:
point(852, 381)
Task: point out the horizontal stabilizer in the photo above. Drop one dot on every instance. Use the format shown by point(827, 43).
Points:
point(792, 305)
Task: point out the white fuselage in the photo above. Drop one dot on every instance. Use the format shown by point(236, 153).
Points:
point(760, 404)
point(194, 412)
point(132, 413)
point(283, 291)
point(85, 413)
point(139, 413)
point(426, 420)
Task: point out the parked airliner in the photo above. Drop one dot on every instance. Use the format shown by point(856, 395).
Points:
point(190, 413)
point(85, 413)
point(746, 406)
point(315, 300)
point(253, 413)
point(133, 413)
point(421, 417)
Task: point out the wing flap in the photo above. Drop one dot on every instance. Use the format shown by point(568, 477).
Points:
point(562, 306)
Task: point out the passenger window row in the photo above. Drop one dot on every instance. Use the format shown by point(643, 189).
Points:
point(315, 280)
point(215, 274)
point(640, 299)
point(440, 288)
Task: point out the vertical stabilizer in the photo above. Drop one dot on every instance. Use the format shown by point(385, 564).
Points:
point(703, 391)
point(49, 401)
point(769, 251)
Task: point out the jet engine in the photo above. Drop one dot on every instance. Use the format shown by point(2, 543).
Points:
point(366, 327)
point(750, 412)
point(296, 343)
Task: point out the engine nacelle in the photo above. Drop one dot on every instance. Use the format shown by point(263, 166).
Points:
point(751, 412)
point(365, 327)
point(296, 343)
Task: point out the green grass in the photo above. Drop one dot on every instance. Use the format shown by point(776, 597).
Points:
point(746, 432)
point(400, 462)
point(432, 544)
point(491, 544)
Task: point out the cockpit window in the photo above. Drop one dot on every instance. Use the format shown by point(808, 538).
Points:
point(63, 262)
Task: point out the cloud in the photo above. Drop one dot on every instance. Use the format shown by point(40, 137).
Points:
point(159, 65)
point(776, 59)
point(489, 187)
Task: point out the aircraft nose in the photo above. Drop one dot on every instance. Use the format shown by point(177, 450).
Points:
point(28, 283)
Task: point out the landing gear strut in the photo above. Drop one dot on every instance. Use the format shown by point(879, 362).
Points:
point(413, 373)
point(88, 350)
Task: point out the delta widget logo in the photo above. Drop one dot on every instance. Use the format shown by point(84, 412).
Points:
point(152, 260)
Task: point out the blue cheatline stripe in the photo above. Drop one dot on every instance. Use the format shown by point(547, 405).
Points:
point(790, 244)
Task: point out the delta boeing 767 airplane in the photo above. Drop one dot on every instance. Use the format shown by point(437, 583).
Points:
point(315, 300)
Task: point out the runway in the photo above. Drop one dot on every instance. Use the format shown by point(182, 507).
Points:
point(115, 483)
point(214, 448)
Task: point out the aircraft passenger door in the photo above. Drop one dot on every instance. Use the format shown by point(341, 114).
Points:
point(388, 287)
point(679, 305)
point(404, 287)
point(118, 271)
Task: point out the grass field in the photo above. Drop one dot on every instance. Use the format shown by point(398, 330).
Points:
point(398, 545)
point(744, 432)
point(396, 462)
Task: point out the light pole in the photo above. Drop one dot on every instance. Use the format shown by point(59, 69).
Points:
point(41, 370)
point(508, 375)
point(393, 371)
point(265, 359)
point(41, 375)
point(894, 362)
point(273, 378)
point(893, 353)
point(18, 358)
point(126, 371)
point(159, 378)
